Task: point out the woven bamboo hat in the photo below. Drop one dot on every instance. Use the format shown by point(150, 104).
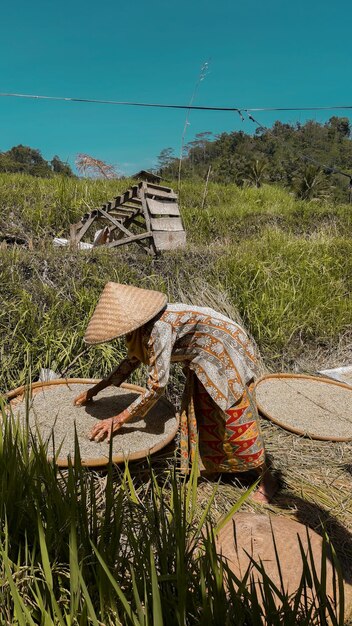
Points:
point(120, 310)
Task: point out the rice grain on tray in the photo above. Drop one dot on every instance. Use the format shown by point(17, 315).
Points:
point(52, 412)
point(316, 408)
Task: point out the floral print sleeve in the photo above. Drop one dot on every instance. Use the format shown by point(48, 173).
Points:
point(159, 350)
point(123, 371)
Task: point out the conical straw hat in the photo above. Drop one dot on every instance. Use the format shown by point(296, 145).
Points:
point(120, 310)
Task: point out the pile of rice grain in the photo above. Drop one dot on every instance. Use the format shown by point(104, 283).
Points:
point(318, 408)
point(53, 414)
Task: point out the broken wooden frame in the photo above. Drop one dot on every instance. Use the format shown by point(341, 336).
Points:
point(147, 214)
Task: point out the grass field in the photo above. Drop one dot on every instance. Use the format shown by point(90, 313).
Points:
point(280, 266)
point(285, 267)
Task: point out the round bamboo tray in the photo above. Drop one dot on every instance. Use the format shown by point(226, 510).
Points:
point(311, 406)
point(269, 539)
point(54, 417)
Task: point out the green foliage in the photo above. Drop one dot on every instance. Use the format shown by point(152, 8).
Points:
point(47, 302)
point(283, 289)
point(166, 161)
point(73, 552)
point(310, 184)
point(59, 167)
point(255, 173)
point(38, 207)
point(30, 161)
point(276, 155)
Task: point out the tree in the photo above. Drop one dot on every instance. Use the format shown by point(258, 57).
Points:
point(275, 155)
point(255, 172)
point(26, 155)
point(341, 125)
point(27, 160)
point(30, 161)
point(165, 158)
point(59, 167)
point(311, 184)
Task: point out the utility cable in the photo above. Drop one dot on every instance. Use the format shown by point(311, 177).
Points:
point(173, 106)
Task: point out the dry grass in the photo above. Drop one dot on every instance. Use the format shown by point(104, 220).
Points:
point(318, 358)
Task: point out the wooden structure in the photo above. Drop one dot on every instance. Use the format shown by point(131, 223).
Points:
point(149, 177)
point(147, 214)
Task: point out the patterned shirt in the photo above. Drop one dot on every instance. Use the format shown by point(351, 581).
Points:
point(213, 346)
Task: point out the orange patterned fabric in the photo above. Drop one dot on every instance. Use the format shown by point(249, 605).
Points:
point(211, 345)
point(229, 441)
point(218, 414)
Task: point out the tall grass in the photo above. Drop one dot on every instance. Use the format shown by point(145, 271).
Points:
point(292, 294)
point(290, 290)
point(129, 554)
point(37, 208)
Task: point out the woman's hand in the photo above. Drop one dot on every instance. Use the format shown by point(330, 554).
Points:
point(107, 428)
point(87, 396)
point(84, 397)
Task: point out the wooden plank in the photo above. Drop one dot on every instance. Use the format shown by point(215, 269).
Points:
point(132, 220)
point(155, 193)
point(116, 223)
point(144, 206)
point(121, 216)
point(80, 233)
point(146, 214)
point(128, 195)
point(87, 216)
point(169, 241)
point(73, 231)
point(166, 223)
point(128, 223)
point(135, 201)
point(120, 242)
point(161, 187)
point(131, 207)
point(121, 208)
point(157, 207)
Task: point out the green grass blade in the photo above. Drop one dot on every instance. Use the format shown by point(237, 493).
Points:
point(223, 521)
point(126, 605)
point(22, 614)
point(48, 573)
point(88, 600)
point(157, 609)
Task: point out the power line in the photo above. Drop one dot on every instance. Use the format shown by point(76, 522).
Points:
point(239, 110)
point(174, 106)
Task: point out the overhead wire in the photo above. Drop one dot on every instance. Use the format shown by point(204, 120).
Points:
point(172, 106)
point(328, 169)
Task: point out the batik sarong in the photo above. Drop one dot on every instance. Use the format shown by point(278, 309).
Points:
point(227, 441)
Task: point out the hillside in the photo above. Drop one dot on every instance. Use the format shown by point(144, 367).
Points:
point(134, 543)
point(311, 160)
point(282, 266)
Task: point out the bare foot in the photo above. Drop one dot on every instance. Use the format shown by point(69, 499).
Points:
point(267, 488)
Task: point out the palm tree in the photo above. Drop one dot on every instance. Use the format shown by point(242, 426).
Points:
point(255, 172)
point(311, 184)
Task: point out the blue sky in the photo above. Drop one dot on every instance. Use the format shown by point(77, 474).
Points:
point(261, 53)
